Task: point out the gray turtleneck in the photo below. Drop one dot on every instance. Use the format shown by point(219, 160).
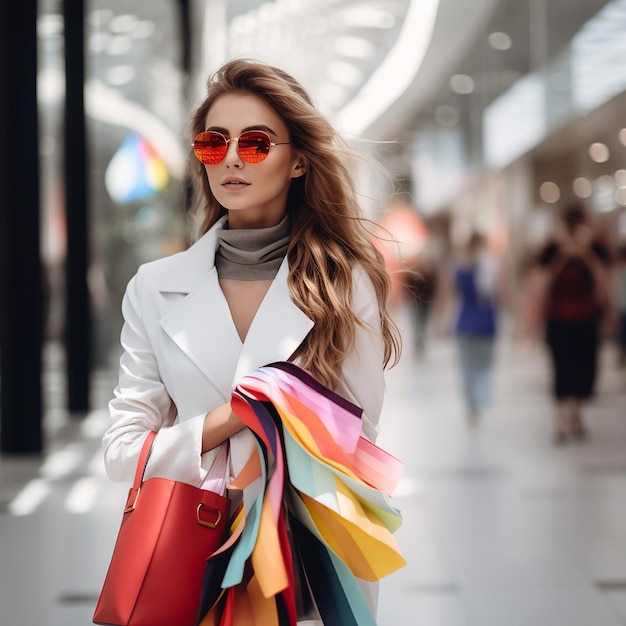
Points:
point(252, 253)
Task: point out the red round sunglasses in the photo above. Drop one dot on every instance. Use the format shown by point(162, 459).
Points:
point(253, 146)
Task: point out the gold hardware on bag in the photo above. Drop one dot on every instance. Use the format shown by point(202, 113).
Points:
point(204, 522)
point(130, 506)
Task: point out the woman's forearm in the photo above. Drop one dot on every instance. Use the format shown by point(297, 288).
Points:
point(219, 424)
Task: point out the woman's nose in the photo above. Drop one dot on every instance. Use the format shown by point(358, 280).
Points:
point(232, 154)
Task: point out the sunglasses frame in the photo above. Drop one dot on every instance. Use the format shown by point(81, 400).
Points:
point(227, 142)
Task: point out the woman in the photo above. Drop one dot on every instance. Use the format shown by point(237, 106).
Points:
point(474, 285)
point(283, 270)
point(576, 283)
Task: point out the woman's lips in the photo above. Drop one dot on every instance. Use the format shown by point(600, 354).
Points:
point(234, 183)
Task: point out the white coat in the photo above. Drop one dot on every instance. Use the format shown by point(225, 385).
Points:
point(182, 358)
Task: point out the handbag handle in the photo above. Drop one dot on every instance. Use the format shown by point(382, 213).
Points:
point(216, 478)
point(133, 494)
point(215, 481)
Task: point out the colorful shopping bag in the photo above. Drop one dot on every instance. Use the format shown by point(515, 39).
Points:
point(316, 513)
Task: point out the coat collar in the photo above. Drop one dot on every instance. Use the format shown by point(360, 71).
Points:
point(198, 261)
point(201, 324)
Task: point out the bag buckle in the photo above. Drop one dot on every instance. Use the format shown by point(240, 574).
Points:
point(133, 494)
point(208, 523)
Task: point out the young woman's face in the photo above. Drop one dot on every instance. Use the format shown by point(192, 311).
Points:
point(255, 194)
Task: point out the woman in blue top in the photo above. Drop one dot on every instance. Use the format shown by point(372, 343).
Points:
point(474, 284)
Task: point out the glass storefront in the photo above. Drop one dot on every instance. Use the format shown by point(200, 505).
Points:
point(136, 114)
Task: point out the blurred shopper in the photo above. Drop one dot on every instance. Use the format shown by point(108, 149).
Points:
point(284, 269)
point(620, 279)
point(420, 283)
point(472, 289)
point(402, 240)
point(576, 288)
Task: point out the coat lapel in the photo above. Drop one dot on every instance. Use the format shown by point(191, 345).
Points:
point(200, 324)
point(196, 316)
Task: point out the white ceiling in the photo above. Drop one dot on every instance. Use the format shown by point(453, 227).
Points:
point(538, 29)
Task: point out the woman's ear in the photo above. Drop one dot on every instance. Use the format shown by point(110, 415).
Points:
point(299, 168)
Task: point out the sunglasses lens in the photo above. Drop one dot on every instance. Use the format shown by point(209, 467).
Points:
point(254, 146)
point(210, 148)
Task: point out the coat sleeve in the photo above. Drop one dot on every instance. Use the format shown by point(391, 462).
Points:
point(363, 381)
point(141, 403)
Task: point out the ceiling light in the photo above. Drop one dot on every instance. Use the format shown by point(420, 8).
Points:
point(549, 192)
point(462, 83)
point(499, 41)
point(599, 152)
point(605, 184)
point(367, 17)
point(396, 72)
point(123, 23)
point(582, 187)
point(354, 47)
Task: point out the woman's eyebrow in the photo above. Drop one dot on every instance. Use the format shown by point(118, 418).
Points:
point(267, 129)
point(226, 133)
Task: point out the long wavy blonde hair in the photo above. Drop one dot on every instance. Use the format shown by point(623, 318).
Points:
point(329, 237)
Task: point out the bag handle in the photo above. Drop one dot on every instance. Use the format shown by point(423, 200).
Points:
point(133, 494)
point(217, 477)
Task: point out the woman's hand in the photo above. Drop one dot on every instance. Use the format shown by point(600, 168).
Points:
point(219, 424)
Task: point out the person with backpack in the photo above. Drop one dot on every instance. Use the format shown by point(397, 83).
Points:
point(576, 274)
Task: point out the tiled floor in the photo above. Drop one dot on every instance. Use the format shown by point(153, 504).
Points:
point(501, 527)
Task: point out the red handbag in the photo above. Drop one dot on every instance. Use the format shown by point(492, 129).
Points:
point(169, 529)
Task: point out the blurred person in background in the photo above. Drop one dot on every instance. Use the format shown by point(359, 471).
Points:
point(576, 288)
point(420, 284)
point(284, 269)
point(471, 290)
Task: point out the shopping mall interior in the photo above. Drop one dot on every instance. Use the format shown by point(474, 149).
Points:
point(490, 119)
point(486, 117)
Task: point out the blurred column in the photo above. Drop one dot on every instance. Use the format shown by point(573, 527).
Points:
point(77, 301)
point(21, 298)
point(186, 50)
point(185, 36)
